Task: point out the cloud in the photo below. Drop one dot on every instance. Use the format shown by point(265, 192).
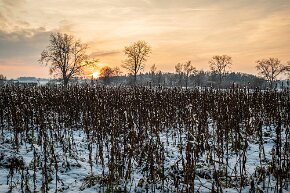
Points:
point(8, 8)
point(11, 4)
point(104, 53)
point(25, 43)
point(3, 20)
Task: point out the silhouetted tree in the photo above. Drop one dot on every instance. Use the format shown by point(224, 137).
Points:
point(159, 77)
point(66, 56)
point(220, 65)
point(106, 73)
point(2, 79)
point(137, 54)
point(188, 70)
point(270, 68)
point(153, 70)
point(178, 70)
point(117, 71)
point(287, 69)
point(184, 71)
point(200, 78)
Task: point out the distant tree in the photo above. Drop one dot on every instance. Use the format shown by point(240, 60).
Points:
point(178, 68)
point(220, 65)
point(179, 72)
point(188, 70)
point(153, 69)
point(159, 77)
point(106, 73)
point(184, 71)
point(137, 54)
point(66, 56)
point(270, 69)
point(2, 79)
point(200, 77)
point(287, 69)
point(117, 71)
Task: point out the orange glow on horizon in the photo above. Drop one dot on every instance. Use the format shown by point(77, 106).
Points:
point(93, 72)
point(96, 75)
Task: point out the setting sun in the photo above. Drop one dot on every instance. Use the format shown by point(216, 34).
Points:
point(96, 75)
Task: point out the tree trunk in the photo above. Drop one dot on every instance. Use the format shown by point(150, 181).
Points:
point(65, 81)
point(186, 82)
point(220, 81)
point(135, 78)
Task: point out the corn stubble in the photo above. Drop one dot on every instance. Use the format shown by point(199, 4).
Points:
point(129, 130)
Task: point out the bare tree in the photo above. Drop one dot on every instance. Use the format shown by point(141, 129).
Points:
point(178, 70)
point(188, 70)
point(106, 73)
point(137, 54)
point(287, 69)
point(184, 71)
point(159, 77)
point(153, 73)
point(270, 69)
point(66, 56)
point(2, 79)
point(117, 71)
point(153, 69)
point(220, 65)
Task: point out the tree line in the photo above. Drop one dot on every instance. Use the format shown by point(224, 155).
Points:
point(67, 58)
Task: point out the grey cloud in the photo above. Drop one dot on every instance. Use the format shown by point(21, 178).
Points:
point(103, 53)
point(23, 43)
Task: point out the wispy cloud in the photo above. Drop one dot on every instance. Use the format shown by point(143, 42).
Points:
point(103, 53)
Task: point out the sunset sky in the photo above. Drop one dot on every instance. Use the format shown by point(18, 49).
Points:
point(176, 30)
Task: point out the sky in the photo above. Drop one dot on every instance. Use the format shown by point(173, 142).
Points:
point(177, 31)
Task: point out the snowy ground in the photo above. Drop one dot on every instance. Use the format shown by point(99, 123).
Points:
point(72, 178)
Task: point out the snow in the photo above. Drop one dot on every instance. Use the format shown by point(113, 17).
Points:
point(71, 179)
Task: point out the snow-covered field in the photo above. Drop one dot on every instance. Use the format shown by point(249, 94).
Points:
point(75, 168)
point(133, 149)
